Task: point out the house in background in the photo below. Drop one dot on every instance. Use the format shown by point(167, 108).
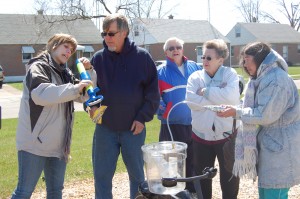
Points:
point(282, 37)
point(152, 34)
point(23, 36)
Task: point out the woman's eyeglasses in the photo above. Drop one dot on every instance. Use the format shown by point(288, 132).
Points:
point(173, 48)
point(111, 34)
point(208, 58)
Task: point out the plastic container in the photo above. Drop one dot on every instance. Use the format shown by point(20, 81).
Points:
point(164, 159)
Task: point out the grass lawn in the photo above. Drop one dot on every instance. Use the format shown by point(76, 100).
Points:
point(80, 166)
point(294, 72)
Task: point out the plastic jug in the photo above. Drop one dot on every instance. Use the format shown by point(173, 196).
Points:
point(164, 159)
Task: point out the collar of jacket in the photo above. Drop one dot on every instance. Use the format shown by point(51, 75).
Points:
point(218, 77)
point(46, 57)
point(128, 45)
point(59, 67)
point(170, 62)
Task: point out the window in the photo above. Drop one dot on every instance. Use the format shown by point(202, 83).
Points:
point(88, 51)
point(285, 52)
point(232, 51)
point(27, 53)
point(298, 48)
point(199, 50)
point(136, 30)
point(237, 31)
point(147, 47)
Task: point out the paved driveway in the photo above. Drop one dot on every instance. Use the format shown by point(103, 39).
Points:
point(10, 101)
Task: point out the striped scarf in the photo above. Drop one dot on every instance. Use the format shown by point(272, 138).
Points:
point(68, 77)
point(246, 153)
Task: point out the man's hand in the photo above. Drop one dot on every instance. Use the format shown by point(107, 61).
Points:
point(92, 110)
point(86, 63)
point(137, 127)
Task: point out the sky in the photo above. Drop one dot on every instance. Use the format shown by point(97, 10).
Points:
point(222, 14)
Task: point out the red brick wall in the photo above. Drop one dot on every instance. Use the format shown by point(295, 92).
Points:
point(11, 58)
point(157, 52)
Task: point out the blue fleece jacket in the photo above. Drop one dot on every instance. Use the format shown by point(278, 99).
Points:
point(172, 87)
point(128, 82)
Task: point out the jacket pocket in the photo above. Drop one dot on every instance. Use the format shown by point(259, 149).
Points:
point(273, 140)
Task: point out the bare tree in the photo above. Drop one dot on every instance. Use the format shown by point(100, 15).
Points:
point(84, 9)
point(250, 9)
point(252, 12)
point(290, 10)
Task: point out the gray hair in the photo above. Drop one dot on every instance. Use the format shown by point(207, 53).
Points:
point(219, 45)
point(122, 23)
point(177, 40)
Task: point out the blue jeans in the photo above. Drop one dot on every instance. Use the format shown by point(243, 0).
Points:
point(273, 193)
point(30, 170)
point(107, 145)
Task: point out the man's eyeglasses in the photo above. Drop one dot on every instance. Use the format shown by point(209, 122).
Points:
point(173, 48)
point(208, 58)
point(111, 34)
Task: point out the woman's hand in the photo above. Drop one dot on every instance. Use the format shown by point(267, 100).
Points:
point(229, 111)
point(201, 91)
point(83, 84)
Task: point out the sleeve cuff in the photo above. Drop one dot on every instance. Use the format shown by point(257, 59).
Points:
point(238, 114)
point(205, 92)
point(91, 68)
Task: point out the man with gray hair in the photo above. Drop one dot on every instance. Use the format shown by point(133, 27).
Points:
point(127, 78)
point(172, 81)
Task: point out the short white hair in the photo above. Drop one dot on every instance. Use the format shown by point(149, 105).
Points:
point(177, 40)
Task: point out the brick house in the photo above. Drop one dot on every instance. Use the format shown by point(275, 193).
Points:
point(282, 37)
point(152, 34)
point(23, 36)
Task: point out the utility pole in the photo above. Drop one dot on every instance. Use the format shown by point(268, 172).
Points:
point(97, 14)
point(208, 6)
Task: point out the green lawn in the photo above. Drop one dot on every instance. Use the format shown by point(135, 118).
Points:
point(17, 85)
point(294, 72)
point(80, 166)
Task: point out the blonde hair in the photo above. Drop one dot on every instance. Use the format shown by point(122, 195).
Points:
point(58, 39)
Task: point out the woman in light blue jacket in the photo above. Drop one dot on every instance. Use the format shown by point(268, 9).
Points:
point(269, 137)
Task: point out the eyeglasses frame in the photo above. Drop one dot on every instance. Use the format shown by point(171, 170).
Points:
point(110, 34)
point(208, 58)
point(172, 48)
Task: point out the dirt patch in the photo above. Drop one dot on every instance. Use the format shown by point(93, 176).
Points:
point(85, 189)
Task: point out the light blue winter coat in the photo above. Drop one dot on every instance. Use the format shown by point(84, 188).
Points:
point(276, 111)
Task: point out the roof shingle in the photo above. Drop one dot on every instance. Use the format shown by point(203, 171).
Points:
point(33, 29)
point(190, 31)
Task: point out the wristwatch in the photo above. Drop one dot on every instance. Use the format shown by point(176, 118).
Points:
point(90, 68)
